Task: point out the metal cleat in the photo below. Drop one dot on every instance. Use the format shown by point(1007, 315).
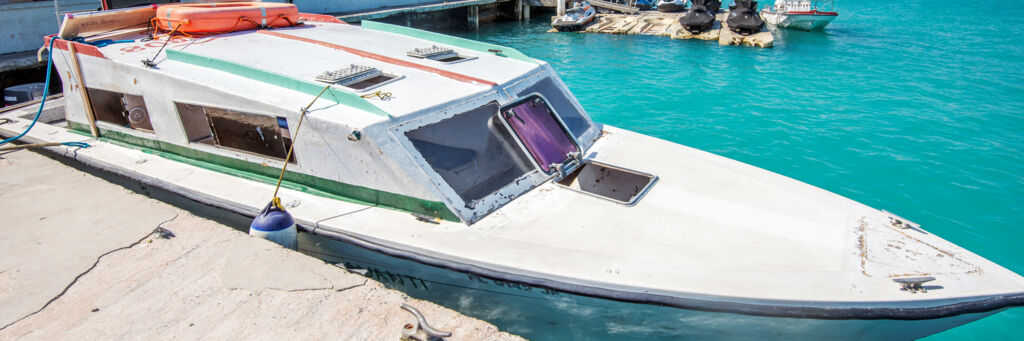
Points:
point(421, 331)
point(913, 284)
point(899, 222)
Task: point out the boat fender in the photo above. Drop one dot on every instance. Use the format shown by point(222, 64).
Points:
point(275, 224)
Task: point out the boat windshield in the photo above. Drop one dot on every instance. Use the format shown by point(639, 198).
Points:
point(540, 132)
point(473, 152)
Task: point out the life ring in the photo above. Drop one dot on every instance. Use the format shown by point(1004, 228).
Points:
point(224, 17)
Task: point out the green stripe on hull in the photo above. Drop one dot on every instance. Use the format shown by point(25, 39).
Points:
point(276, 79)
point(257, 172)
point(449, 40)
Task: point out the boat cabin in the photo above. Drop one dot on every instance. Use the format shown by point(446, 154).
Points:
point(434, 125)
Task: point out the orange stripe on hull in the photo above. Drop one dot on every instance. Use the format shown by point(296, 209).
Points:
point(84, 49)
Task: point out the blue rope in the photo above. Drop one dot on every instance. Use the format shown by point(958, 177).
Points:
point(76, 144)
point(101, 43)
point(46, 93)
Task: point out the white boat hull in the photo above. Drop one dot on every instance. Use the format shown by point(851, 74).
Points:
point(547, 314)
point(806, 22)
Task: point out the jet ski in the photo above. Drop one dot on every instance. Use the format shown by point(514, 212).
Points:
point(644, 5)
point(714, 6)
point(743, 18)
point(699, 17)
point(575, 18)
point(671, 5)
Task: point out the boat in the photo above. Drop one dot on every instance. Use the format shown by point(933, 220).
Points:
point(468, 174)
point(575, 18)
point(643, 5)
point(802, 15)
point(699, 18)
point(671, 6)
point(743, 18)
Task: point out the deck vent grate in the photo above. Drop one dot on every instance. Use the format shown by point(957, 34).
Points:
point(432, 52)
point(441, 54)
point(352, 74)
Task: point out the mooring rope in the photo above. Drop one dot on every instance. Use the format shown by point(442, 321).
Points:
point(302, 117)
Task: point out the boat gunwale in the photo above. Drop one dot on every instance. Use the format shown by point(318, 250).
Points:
point(987, 304)
point(974, 304)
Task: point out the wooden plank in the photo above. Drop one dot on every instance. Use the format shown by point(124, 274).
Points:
point(76, 71)
point(614, 6)
point(82, 24)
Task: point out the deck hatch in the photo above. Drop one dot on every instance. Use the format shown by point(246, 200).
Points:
point(357, 77)
point(440, 54)
point(621, 185)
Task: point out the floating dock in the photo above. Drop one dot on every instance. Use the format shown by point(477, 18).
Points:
point(84, 258)
point(667, 24)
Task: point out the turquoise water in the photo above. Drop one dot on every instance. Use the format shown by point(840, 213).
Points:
point(913, 106)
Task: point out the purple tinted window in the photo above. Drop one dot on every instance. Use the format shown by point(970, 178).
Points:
point(537, 128)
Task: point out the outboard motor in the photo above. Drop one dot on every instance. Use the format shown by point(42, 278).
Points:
point(743, 18)
point(699, 17)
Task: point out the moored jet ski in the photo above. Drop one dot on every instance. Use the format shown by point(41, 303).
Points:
point(714, 6)
point(699, 17)
point(575, 18)
point(671, 5)
point(743, 18)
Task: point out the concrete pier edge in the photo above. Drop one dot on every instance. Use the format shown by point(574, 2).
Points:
point(88, 254)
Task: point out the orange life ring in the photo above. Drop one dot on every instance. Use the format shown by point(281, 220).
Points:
point(224, 17)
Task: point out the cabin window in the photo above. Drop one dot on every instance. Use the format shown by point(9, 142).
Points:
point(473, 152)
point(539, 131)
point(120, 109)
point(573, 118)
point(226, 128)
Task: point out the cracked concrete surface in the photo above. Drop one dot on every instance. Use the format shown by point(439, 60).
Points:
point(209, 281)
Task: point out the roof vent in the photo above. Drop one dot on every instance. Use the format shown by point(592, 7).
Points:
point(352, 74)
point(358, 77)
point(441, 54)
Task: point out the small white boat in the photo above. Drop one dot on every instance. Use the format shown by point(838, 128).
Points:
point(575, 18)
point(671, 5)
point(798, 14)
point(468, 174)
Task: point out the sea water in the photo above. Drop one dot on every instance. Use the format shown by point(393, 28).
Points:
point(916, 107)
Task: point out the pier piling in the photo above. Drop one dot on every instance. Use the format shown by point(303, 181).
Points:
point(473, 16)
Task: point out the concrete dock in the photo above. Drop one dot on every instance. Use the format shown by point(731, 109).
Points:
point(667, 24)
point(84, 258)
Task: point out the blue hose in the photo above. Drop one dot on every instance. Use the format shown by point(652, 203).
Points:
point(46, 93)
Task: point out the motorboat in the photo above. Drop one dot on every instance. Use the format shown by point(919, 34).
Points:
point(699, 18)
point(801, 14)
point(743, 18)
point(575, 18)
point(468, 174)
point(671, 5)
